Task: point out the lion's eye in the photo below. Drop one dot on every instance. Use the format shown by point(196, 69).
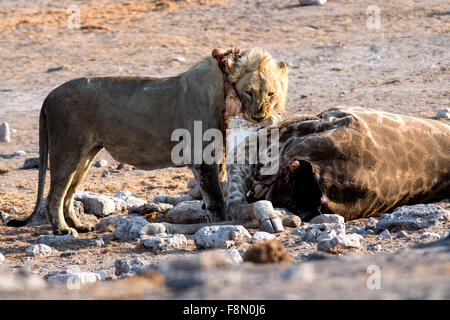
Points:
point(270, 94)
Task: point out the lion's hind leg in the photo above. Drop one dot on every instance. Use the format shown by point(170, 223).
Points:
point(80, 173)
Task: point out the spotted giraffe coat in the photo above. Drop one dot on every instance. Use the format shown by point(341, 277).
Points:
point(355, 162)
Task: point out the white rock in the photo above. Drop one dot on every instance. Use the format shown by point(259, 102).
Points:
point(123, 194)
point(14, 210)
point(5, 133)
point(316, 232)
point(430, 236)
point(98, 204)
point(111, 221)
point(129, 228)
point(413, 217)
point(163, 243)
point(371, 224)
point(312, 2)
point(327, 218)
point(19, 153)
point(443, 113)
point(2, 258)
point(74, 280)
point(341, 241)
point(41, 250)
point(234, 255)
point(4, 215)
point(179, 59)
point(153, 229)
point(359, 230)
point(220, 236)
point(53, 240)
point(384, 235)
point(101, 163)
point(262, 236)
point(187, 212)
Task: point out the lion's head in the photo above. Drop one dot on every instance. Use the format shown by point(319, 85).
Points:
point(260, 82)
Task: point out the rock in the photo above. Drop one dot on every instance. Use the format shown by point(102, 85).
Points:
point(40, 250)
point(187, 212)
point(5, 133)
point(384, 235)
point(31, 163)
point(312, 2)
point(14, 210)
point(129, 228)
point(315, 232)
point(341, 241)
point(58, 68)
point(26, 259)
point(220, 236)
point(125, 267)
point(96, 243)
point(402, 234)
point(178, 59)
point(98, 204)
point(2, 258)
point(109, 223)
point(53, 240)
point(262, 236)
point(371, 224)
point(234, 255)
point(443, 113)
point(292, 221)
point(358, 230)
point(74, 280)
point(19, 153)
point(150, 207)
point(430, 236)
point(67, 253)
point(413, 217)
point(101, 163)
point(129, 199)
point(153, 229)
point(4, 216)
point(171, 199)
point(327, 218)
point(375, 248)
point(163, 243)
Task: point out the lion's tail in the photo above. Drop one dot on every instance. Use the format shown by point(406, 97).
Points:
point(43, 159)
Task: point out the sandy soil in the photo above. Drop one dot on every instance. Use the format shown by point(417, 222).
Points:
point(333, 59)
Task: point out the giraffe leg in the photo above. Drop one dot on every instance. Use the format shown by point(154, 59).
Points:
point(82, 169)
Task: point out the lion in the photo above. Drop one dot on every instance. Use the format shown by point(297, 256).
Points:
point(133, 118)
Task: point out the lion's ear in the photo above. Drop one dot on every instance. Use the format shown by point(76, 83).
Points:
point(282, 66)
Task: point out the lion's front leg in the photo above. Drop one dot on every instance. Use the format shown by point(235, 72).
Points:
point(208, 179)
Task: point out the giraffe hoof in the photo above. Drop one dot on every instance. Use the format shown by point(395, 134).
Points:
point(272, 225)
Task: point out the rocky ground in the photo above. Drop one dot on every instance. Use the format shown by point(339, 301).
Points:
point(333, 59)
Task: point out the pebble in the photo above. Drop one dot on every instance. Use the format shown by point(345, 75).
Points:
point(4, 216)
point(327, 218)
point(312, 2)
point(443, 113)
point(19, 153)
point(187, 212)
point(130, 200)
point(402, 234)
point(316, 232)
point(221, 236)
point(262, 236)
point(5, 133)
point(292, 221)
point(125, 267)
point(74, 280)
point(163, 243)
point(40, 250)
point(129, 228)
point(430, 236)
point(31, 163)
point(101, 163)
point(413, 217)
point(358, 230)
point(371, 224)
point(178, 59)
point(99, 204)
point(14, 210)
point(384, 235)
point(341, 241)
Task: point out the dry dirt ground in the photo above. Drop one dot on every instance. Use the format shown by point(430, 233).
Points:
point(333, 59)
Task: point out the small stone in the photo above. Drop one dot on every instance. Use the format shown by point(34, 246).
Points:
point(220, 236)
point(413, 217)
point(99, 204)
point(187, 212)
point(179, 59)
point(163, 243)
point(371, 224)
point(96, 243)
point(74, 280)
point(2, 258)
point(317, 232)
point(150, 207)
point(14, 210)
point(58, 68)
point(53, 240)
point(358, 230)
point(19, 153)
point(67, 253)
point(129, 228)
point(402, 234)
point(375, 248)
point(342, 241)
point(40, 250)
point(101, 163)
point(152, 229)
point(443, 113)
point(384, 235)
point(292, 221)
point(312, 2)
point(4, 216)
point(327, 218)
point(125, 267)
point(105, 174)
point(31, 163)
point(5, 133)
point(262, 236)
point(26, 259)
point(430, 236)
